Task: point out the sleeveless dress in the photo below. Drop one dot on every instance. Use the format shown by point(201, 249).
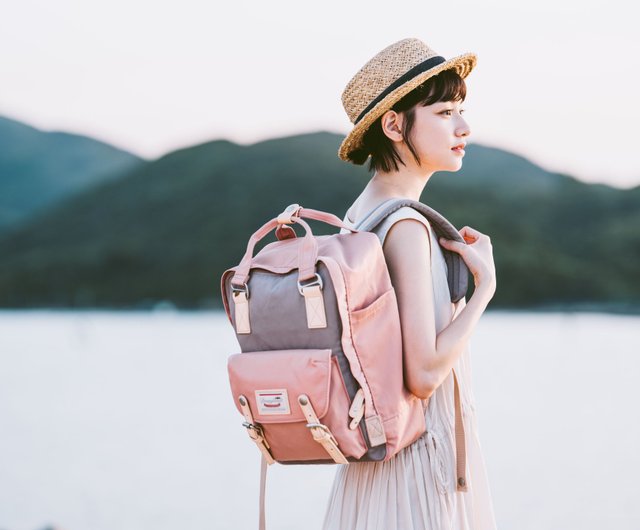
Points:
point(416, 489)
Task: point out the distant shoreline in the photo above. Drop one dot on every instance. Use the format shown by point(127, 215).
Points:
point(618, 308)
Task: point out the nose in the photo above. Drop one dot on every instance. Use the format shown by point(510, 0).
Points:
point(463, 128)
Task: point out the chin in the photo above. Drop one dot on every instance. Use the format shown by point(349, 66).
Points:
point(452, 167)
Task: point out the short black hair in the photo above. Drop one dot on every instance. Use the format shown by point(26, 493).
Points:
point(448, 85)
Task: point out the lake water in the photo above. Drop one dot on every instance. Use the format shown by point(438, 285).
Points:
point(124, 421)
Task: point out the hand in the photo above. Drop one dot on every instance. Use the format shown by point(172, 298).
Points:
point(477, 253)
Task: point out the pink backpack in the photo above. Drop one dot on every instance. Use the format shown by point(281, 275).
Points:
point(319, 378)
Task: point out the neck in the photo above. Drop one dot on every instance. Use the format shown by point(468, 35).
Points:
point(404, 183)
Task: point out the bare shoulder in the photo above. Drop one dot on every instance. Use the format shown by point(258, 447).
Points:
point(406, 242)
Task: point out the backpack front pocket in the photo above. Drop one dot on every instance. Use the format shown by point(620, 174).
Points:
point(274, 381)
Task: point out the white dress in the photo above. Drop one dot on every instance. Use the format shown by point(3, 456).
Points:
point(416, 489)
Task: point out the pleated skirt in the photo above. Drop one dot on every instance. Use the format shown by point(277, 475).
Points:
point(415, 490)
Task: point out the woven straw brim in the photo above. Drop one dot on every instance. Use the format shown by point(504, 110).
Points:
point(463, 64)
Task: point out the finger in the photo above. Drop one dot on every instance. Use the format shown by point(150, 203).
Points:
point(472, 232)
point(450, 244)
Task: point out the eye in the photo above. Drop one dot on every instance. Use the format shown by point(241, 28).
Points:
point(451, 110)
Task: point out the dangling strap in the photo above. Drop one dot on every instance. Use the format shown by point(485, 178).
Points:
point(263, 489)
point(461, 459)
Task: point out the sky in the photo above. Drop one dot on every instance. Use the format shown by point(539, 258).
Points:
point(553, 80)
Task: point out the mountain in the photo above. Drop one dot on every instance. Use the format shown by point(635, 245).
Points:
point(38, 169)
point(168, 229)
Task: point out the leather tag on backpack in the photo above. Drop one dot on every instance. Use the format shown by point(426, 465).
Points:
point(273, 401)
point(314, 304)
point(241, 305)
point(375, 431)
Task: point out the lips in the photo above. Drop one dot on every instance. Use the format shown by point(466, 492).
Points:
point(459, 146)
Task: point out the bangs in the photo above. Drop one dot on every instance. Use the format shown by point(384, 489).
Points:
point(446, 86)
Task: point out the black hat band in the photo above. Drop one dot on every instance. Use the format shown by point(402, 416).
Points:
point(418, 69)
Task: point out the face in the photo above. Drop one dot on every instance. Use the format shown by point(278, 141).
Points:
point(436, 130)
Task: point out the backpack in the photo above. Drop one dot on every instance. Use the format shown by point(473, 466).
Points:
point(319, 375)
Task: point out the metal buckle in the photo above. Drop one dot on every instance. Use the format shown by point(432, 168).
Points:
point(327, 433)
point(256, 433)
point(248, 425)
point(253, 427)
point(316, 281)
point(244, 289)
point(319, 426)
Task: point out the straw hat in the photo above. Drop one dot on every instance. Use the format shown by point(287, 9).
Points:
point(386, 78)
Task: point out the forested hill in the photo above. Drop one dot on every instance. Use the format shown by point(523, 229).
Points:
point(40, 168)
point(167, 230)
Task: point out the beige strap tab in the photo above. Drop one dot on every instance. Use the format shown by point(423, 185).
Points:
point(356, 411)
point(254, 430)
point(375, 430)
point(241, 312)
point(461, 457)
point(320, 433)
point(314, 304)
point(286, 216)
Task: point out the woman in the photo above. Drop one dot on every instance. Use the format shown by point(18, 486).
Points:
point(406, 106)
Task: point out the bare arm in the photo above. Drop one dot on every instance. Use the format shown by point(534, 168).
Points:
point(453, 339)
point(428, 358)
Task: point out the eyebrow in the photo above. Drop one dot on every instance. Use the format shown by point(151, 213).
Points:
point(452, 103)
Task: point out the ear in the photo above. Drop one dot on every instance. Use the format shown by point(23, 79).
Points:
point(391, 123)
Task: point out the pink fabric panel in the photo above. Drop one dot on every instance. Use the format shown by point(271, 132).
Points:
point(377, 339)
point(293, 442)
point(405, 428)
point(310, 372)
point(298, 371)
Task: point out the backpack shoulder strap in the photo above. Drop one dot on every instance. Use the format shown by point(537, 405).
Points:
point(406, 212)
point(457, 271)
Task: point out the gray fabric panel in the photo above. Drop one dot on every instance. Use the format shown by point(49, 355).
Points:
point(280, 323)
point(375, 454)
point(278, 320)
